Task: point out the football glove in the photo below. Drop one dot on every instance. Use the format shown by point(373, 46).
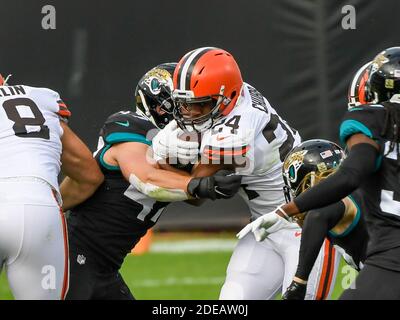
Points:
point(167, 145)
point(266, 224)
point(222, 185)
point(296, 291)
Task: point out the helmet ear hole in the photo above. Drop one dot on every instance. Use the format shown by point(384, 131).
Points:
point(233, 94)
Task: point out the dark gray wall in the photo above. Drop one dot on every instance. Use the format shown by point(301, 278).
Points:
point(294, 51)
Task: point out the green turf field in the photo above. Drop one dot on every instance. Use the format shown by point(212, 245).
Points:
point(163, 275)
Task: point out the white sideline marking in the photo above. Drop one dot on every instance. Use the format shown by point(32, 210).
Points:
point(205, 245)
point(186, 281)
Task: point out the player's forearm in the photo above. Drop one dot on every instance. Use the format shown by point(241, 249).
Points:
point(316, 226)
point(168, 179)
point(161, 185)
point(74, 192)
point(204, 170)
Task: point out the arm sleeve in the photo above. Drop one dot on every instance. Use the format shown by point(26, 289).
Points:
point(316, 225)
point(361, 162)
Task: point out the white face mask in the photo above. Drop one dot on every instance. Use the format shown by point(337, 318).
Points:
point(199, 127)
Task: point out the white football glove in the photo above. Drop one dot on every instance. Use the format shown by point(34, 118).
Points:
point(167, 144)
point(265, 225)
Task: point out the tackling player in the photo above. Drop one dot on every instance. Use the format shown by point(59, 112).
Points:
point(136, 190)
point(341, 222)
point(371, 133)
point(35, 142)
point(240, 128)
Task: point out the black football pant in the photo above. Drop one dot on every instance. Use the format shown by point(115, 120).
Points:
point(374, 283)
point(87, 283)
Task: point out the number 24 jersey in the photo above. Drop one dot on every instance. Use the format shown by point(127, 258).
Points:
point(254, 130)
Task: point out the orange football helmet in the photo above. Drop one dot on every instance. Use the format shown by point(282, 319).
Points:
point(357, 94)
point(203, 76)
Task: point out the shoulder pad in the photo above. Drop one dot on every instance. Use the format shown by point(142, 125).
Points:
point(367, 120)
point(128, 126)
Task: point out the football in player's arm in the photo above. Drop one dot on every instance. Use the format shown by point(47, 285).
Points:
point(133, 157)
point(104, 228)
point(241, 131)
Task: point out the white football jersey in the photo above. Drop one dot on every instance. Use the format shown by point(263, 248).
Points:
point(253, 129)
point(30, 132)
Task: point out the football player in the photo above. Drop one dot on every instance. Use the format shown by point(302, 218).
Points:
point(371, 133)
point(136, 190)
point(342, 222)
point(240, 129)
point(35, 143)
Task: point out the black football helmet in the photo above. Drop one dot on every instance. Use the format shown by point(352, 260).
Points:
point(154, 90)
point(384, 76)
point(308, 163)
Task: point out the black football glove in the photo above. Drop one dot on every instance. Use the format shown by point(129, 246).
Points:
point(222, 185)
point(296, 291)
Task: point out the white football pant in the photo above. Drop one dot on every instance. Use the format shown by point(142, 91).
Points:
point(33, 239)
point(260, 270)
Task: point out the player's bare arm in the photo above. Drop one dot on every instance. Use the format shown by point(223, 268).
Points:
point(133, 159)
point(81, 169)
point(163, 185)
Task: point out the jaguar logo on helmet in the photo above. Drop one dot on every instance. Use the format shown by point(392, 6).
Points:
point(156, 78)
point(379, 60)
point(292, 165)
point(309, 163)
point(294, 157)
point(153, 94)
point(383, 83)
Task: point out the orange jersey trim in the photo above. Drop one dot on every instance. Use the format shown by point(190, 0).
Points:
point(211, 153)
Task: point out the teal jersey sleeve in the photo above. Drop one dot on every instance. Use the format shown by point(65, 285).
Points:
point(367, 120)
point(126, 126)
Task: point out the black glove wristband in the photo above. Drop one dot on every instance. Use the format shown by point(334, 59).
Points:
point(296, 291)
point(202, 188)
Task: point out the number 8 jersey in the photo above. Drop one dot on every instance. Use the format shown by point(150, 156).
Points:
point(256, 132)
point(30, 132)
